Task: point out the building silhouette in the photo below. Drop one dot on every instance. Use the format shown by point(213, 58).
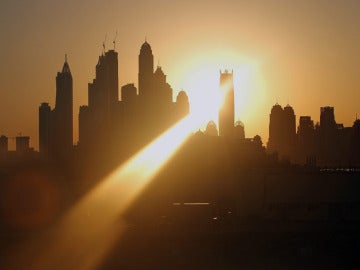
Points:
point(44, 127)
point(22, 144)
point(146, 71)
point(282, 131)
point(328, 137)
point(327, 144)
point(211, 129)
point(306, 141)
point(355, 144)
point(239, 131)
point(117, 128)
point(227, 111)
point(56, 126)
point(4, 145)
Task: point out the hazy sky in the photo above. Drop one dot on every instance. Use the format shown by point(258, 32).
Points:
point(305, 53)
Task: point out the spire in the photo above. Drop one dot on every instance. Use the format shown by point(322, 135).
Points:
point(146, 48)
point(66, 68)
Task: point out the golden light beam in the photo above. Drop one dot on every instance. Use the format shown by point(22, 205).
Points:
point(93, 225)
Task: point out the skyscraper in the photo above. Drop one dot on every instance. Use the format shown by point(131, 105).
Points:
point(108, 125)
point(56, 126)
point(327, 118)
point(22, 144)
point(275, 129)
point(104, 90)
point(289, 129)
point(282, 131)
point(63, 112)
point(306, 141)
point(182, 106)
point(146, 70)
point(97, 120)
point(329, 137)
point(44, 128)
point(227, 111)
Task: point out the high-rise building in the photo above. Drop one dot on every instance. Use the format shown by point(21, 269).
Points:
point(355, 144)
point(289, 129)
point(63, 112)
point(56, 126)
point(282, 131)
point(275, 129)
point(112, 127)
point(146, 70)
point(104, 90)
point(182, 106)
point(227, 111)
point(44, 128)
point(22, 144)
point(239, 131)
point(98, 118)
point(306, 141)
point(128, 93)
point(327, 118)
point(211, 129)
point(328, 137)
point(161, 89)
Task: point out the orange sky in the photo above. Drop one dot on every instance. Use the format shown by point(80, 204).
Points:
point(302, 52)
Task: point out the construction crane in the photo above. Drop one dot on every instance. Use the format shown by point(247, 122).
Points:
point(104, 44)
point(115, 39)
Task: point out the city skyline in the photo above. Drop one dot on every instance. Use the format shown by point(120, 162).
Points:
point(276, 53)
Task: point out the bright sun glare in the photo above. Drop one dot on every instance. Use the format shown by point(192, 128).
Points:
point(92, 226)
point(199, 76)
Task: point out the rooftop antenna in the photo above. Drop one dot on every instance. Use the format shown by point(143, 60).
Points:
point(145, 39)
point(115, 39)
point(65, 58)
point(104, 43)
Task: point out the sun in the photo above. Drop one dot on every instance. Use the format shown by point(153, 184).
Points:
point(204, 95)
point(199, 75)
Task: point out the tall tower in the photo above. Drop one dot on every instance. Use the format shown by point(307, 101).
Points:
point(146, 69)
point(276, 136)
point(327, 118)
point(227, 111)
point(63, 112)
point(44, 128)
point(282, 131)
point(104, 90)
point(289, 131)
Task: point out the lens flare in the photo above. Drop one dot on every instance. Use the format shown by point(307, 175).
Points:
point(93, 225)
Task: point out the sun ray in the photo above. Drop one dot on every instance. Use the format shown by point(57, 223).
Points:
point(93, 225)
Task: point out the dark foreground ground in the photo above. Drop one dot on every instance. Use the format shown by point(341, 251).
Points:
point(271, 246)
point(215, 245)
